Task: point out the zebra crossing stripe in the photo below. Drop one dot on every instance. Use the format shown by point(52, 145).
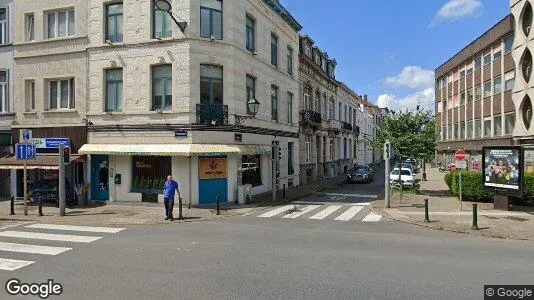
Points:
point(349, 213)
point(372, 217)
point(76, 228)
point(50, 236)
point(274, 212)
point(297, 214)
point(35, 249)
point(325, 212)
point(13, 264)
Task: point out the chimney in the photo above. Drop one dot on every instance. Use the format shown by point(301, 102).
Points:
point(365, 97)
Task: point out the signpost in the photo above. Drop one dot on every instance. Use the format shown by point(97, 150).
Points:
point(387, 156)
point(460, 157)
point(25, 151)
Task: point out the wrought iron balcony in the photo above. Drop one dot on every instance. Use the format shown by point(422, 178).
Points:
point(212, 114)
point(311, 117)
point(346, 126)
point(356, 130)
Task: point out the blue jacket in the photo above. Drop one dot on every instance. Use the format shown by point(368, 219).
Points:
point(169, 189)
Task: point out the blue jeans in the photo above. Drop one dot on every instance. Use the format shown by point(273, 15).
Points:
point(169, 205)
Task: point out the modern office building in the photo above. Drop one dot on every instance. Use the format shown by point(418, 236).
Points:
point(474, 103)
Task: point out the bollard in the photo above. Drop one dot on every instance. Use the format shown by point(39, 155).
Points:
point(12, 205)
point(427, 220)
point(474, 227)
point(180, 216)
point(218, 208)
point(40, 207)
point(424, 176)
point(284, 191)
point(189, 204)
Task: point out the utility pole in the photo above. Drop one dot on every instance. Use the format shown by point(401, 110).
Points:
point(387, 155)
point(61, 193)
point(275, 163)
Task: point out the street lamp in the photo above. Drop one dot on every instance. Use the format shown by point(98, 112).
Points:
point(253, 106)
point(165, 6)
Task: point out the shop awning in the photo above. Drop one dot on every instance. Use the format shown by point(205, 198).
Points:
point(44, 162)
point(172, 149)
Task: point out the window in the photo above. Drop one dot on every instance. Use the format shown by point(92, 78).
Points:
point(4, 102)
point(318, 101)
point(161, 87)
point(462, 73)
point(497, 85)
point(509, 123)
point(469, 71)
point(289, 60)
point(114, 22)
point(509, 80)
point(487, 59)
point(508, 44)
point(30, 95)
point(340, 111)
point(150, 172)
point(289, 108)
point(30, 27)
point(211, 19)
point(462, 98)
point(251, 91)
point(323, 64)
point(478, 92)
point(345, 155)
point(469, 93)
point(61, 94)
point(331, 110)
point(274, 50)
point(462, 131)
point(4, 32)
point(444, 104)
point(307, 50)
point(477, 63)
point(290, 168)
point(251, 34)
point(307, 93)
point(487, 127)
point(162, 24)
point(60, 23)
point(469, 131)
point(252, 173)
point(211, 85)
point(478, 128)
point(456, 131)
point(497, 55)
point(487, 89)
point(449, 133)
point(497, 125)
point(308, 148)
point(274, 102)
point(113, 90)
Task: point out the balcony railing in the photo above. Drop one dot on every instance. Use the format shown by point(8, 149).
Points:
point(311, 117)
point(356, 130)
point(346, 126)
point(212, 114)
point(334, 125)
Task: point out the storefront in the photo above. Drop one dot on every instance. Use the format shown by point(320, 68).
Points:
point(5, 175)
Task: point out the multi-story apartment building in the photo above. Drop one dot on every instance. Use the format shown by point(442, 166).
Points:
point(522, 95)
point(352, 140)
point(474, 105)
point(161, 101)
point(6, 88)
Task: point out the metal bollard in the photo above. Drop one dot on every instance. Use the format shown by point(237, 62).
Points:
point(12, 205)
point(40, 208)
point(427, 220)
point(189, 204)
point(180, 216)
point(218, 206)
point(284, 191)
point(474, 227)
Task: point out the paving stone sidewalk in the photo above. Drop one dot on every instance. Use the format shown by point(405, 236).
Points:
point(445, 214)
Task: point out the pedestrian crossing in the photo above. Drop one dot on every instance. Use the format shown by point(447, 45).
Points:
point(26, 239)
point(341, 213)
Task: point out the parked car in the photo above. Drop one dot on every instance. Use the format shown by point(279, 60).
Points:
point(405, 166)
point(414, 164)
point(406, 177)
point(360, 174)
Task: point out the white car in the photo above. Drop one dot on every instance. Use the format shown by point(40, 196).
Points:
point(406, 177)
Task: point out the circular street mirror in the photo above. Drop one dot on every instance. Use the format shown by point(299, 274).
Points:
point(163, 5)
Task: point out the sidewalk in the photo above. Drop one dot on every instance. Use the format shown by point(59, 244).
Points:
point(138, 213)
point(445, 214)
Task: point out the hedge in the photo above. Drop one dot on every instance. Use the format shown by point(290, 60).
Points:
point(528, 191)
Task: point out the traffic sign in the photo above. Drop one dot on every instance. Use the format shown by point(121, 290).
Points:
point(50, 143)
point(460, 164)
point(25, 151)
point(460, 155)
point(25, 135)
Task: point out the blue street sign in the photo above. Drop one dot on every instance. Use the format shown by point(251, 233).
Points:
point(180, 133)
point(25, 151)
point(26, 135)
point(55, 142)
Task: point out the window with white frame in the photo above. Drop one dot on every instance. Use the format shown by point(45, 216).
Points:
point(4, 32)
point(4, 100)
point(30, 27)
point(469, 130)
point(308, 148)
point(30, 95)
point(497, 121)
point(307, 93)
point(487, 127)
point(509, 80)
point(469, 94)
point(60, 23)
point(487, 88)
point(211, 19)
point(497, 55)
point(487, 59)
point(61, 94)
point(508, 44)
point(114, 90)
point(478, 128)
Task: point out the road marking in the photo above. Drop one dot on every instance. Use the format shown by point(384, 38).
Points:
point(35, 249)
point(13, 264)
point(50, 236)
point(297, 214)
point(76, 228)
point(351, 212)
point(325, 212)
point(274, 212)
point(14, 225)
point(372, 217)
point(360, 204)
point(348, 195)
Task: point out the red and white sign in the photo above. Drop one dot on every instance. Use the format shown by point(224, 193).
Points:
point(460, 155)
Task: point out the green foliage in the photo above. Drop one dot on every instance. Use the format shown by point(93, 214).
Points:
point(472, 187)
point(528, 191)
point(448, 180)
point(142, 184)
point(148, 185)
point(413, 134)
point(136, 183)
point(155, 184)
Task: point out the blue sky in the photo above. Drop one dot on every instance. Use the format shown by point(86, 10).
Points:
point(390, 49)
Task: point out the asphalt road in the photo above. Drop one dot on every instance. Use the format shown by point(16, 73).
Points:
point(248, 257)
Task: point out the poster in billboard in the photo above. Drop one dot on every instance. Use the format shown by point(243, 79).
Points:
point(528, 158)
point(503, 169)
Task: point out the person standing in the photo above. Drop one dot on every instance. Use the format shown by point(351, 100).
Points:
point(169, 189)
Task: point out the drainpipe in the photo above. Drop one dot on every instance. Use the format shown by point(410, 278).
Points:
point(190, 181)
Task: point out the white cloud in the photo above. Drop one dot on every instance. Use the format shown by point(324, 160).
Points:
point(412, 77)
point(455, 10)
point(424, 98)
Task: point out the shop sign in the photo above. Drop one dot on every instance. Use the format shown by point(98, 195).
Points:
point(212, 168)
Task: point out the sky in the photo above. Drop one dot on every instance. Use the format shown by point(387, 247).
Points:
point(390, 49)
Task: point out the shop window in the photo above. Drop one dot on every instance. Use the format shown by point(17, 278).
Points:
point(251, 166)
point(150, 172)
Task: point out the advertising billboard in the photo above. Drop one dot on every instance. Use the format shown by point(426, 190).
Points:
point(503, 169)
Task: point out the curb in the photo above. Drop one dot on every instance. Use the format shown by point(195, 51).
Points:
point(479, 233)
